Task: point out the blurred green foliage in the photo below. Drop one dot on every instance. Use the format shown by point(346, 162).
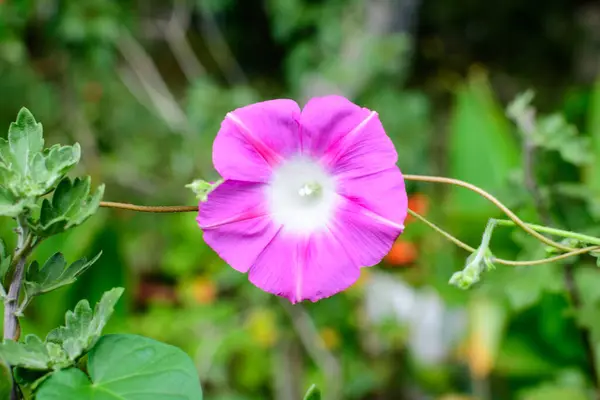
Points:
point(143, 87)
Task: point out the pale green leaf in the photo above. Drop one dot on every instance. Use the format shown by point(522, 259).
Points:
point(82, 326)
point(25, 140)
point(31, 353)
point(10, 205)
point(127, 367)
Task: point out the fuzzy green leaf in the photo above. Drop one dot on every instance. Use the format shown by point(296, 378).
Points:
point(28, 170)
point(10, 205)
point(54, 274)
point(82, 326)
point(25, 140)
point(71, 205)
point(31, 353)
point(127, 367)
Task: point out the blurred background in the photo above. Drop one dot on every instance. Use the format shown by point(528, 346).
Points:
point(143, 85)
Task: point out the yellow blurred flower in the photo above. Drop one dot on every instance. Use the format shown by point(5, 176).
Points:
point(262, 327)
point(456, 397)
point(331, 339)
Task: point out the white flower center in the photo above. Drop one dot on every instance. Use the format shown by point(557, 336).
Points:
point(301, 195)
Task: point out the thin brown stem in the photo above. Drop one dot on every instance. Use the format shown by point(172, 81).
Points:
point(148, 209)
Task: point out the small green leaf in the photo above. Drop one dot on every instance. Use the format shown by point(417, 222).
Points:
point(202, 188)
point(30, 354)
point(71, 205)
point(54, 274)
point(313, 393)
point(82, 326)
point(477, 262)
point(127, 367)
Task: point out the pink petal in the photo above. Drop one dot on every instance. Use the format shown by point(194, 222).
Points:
point(327, 262)
point(255, 138)
point(383, 193)
point(348, 139)
point(367, 236)
point(301, 268)
point(235, 222)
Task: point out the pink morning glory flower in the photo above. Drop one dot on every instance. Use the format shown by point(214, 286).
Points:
point(309, 196)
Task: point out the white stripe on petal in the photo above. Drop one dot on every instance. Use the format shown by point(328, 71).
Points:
point(381, 219)
point(269, 155)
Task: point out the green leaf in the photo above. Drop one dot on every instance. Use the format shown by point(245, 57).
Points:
point(550, 391)
point(127, 367)
point(30, 354)
point(26, 169)
point(63, 345)
point(29, 380)
point(313, 393)
point(82, 326)
point(592, 173)
point(52, 165)
point(477, 262)
point(6, 381)
point(482, 151)
point(10, 205)
point(54, 274)
point(71, 205)
point(202, 188)
point(25, 140)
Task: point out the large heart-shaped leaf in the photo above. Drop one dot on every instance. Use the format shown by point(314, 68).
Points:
point(127, 367)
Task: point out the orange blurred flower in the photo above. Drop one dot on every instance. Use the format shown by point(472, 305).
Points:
point(204, 290)
point(419, 203)
point(402, 253)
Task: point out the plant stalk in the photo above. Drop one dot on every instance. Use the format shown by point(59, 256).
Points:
point(24, 247)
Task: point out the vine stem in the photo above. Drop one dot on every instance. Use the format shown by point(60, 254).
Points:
point(557, 232)
point(495, 201)
point(502, 261)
